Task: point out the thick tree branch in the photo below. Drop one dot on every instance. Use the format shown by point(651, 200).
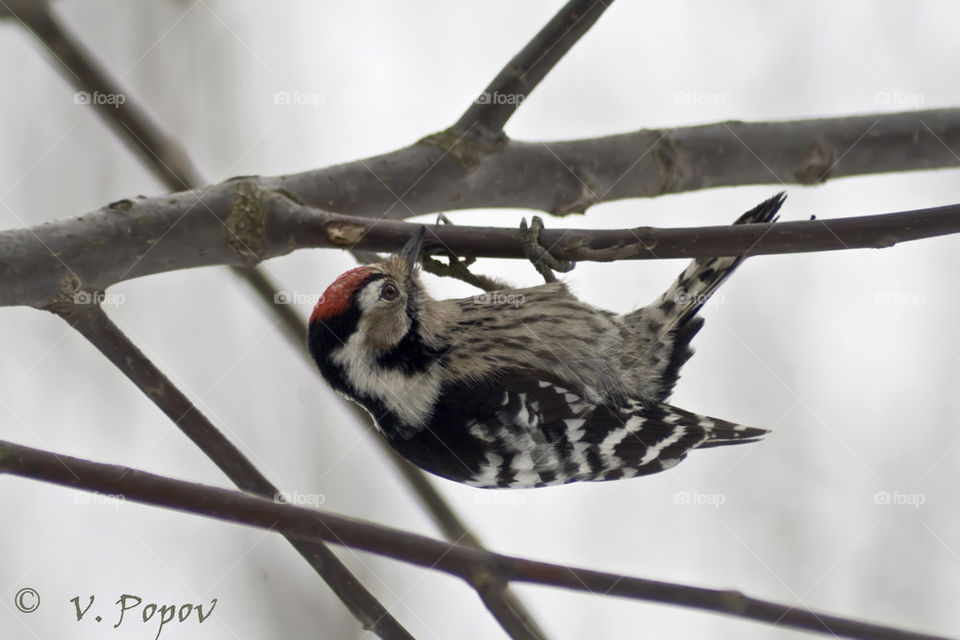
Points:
point(55, 262)
point(457, 560)
point(95, 326)
point(487, 115)
point(447, 171)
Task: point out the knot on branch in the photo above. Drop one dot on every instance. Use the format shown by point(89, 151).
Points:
point(818, 164)
point(467, 150)
point(485, 579)
point(343, 233)
point(68, 294)
point(587, 195)
point(245, 228)
point(734, 601)
point(672, 168)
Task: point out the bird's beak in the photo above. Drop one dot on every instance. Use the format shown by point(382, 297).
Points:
point(411, 251)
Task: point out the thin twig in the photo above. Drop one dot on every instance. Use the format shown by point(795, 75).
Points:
point(457, 560)
point(91, 322)
point(460, 270)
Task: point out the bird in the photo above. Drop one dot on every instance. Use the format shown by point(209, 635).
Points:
point(520, 388)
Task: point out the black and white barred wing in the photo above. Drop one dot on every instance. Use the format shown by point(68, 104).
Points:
point(542, 433)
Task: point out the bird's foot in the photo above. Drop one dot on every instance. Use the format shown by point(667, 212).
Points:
point(537, 254)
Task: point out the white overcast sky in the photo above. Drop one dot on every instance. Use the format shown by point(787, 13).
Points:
point(851, 358)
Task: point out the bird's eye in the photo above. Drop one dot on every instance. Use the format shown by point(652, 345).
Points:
point(389, 291)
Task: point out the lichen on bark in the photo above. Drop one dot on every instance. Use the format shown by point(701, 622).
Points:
point(246, 225)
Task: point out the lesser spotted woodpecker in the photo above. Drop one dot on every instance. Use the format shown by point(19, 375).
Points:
point(520, 388)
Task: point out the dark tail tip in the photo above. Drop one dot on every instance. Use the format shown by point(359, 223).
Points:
point(766, 211)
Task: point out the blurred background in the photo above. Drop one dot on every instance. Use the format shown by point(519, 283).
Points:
point(851, 358)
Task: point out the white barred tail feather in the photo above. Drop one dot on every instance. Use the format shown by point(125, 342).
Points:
point(673, 316)
point(698, 282)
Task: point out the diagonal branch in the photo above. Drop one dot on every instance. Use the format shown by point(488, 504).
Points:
point(95, 326)
point(129, 120)
point(457, 560)
point(487, 115)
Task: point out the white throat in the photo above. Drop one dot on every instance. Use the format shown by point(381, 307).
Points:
point(410, 398)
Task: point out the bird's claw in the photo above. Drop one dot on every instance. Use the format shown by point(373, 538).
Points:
point(542, 260)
